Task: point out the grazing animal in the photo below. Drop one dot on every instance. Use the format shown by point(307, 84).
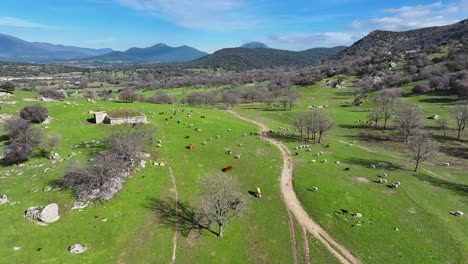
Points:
point(446, 164)
point(314, 188)
point(192, 146)
point(373, 166)
point(229, 152)
point(203, 143)
point(357, 215)
point(337, 162)
point(346, 169)
point(384, 174)
point(237, 156)
point(324, 161)
point(187, 137)
point(313, 161)
point(296, 153)
point(344, 211)
point(382, 181)
point(161, 113)
point(228, 168)
point(458, 213)
point(259, 193)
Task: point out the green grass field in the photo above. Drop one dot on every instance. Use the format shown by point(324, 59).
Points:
point(409, 225)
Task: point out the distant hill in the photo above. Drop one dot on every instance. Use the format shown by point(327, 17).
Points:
point(17, 50)
point(159, 53)
point(255, 45)
point(380, 42)
point(239, 59)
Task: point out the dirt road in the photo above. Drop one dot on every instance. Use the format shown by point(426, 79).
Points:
point(343, 254)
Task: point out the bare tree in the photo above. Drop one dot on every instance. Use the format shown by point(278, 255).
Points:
point(420, 148)
point(17, 153)
point(161, 98)
point(443, 125)
point(324, 123)
point(375, 115)
point(387, 100)
point(34, 113)
point(128, 96)
point(220, 199)
point(460, 113)
point(361, 89)
point(89, 94)
point(408, 119)
point(231, 98)
point(49, 143)
point(15, 126)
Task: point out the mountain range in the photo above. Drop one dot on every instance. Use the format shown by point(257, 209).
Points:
point(17, 50)
point(159, 53)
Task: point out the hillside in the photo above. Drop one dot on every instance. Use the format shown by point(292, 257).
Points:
point(239, 59)
point(380, 42)
point(159, 53)
point(18, 50)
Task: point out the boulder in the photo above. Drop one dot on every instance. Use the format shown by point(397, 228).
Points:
point(77, 248)
point(80, 205)
point(50, 213)
point(54, 156)
point(3, 199)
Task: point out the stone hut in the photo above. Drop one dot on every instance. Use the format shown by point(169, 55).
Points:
point(119, 116)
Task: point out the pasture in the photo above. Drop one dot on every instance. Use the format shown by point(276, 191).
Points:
point(410, 224)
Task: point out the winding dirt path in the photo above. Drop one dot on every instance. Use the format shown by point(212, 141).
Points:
point(343, 254)
point(174, 239)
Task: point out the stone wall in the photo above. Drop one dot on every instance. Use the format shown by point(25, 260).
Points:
point(127, 120)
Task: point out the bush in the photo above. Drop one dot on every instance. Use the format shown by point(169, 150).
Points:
point(17, 153)
point(14, 126)
point(421, 89)
point(53, 94)
point(34, 113)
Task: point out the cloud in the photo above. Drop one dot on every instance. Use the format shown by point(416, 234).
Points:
point(354, 25)
point(418, 16)
point(315, 39)
point(205, 15)
point(16, 22)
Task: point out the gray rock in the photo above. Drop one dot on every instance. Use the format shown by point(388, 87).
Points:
point(47, 189)
point(77, 248)
point(49, 214)
point(3, 199)
point(142, 163)
point(80, 205)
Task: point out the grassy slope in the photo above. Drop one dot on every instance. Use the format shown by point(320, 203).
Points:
point(419, 209)
point(132, 233)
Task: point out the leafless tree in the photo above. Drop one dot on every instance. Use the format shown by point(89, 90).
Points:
point(386, 101)
point(231, 98)
point(49, 143)
point(375, 115)
point(34, 113)
point(220, 199)
point(89, 94)
point(15, 126)
point(408, 119)
point(128, 96)
point(314, 122)
point(161, 98)
point(362, 88)
point(17, 152)
point(460, 113)
point(443, 125)
point(420, 148)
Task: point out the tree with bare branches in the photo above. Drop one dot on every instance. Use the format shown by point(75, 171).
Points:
point(408, 119)
point(220, 199)
point(421, 148)
point(460, 113)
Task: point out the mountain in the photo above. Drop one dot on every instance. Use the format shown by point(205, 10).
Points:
point(255, 45)
point(18, 50)
point(239, 59)
point(159, 53)
point(380, 42)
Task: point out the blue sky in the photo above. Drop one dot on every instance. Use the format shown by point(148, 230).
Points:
point(210, 25)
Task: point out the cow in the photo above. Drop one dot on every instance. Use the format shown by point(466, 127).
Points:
point(344, 211)
point(161, 113)
point(228, 168)
point(192, 146)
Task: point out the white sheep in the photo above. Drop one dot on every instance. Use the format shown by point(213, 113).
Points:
point(159, 141)
point(313, 161)
point(203, 143)
point(229, 130)
point(382, 181)
point(217, 136)
point(337, 162)
point(158, 145)
point(314, 188)
point(324, 161)
point(446, 164)
point(240, 144)
point(373, 166)
point(458, 213)
point(384, 174)
point(357, 215)
point(237, 156)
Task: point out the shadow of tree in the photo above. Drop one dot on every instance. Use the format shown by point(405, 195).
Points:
point(456, 187)
point(369, 162)
point(178, 215)
point(459, 152)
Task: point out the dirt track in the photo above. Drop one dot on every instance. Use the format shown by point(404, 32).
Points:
point(343, 254)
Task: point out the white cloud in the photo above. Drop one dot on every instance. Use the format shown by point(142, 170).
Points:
point(418, 16)
point(354, 25)
point(16, 22)
point(205, 15)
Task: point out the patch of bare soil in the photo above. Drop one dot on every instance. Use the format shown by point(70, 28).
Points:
point(362, 179)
